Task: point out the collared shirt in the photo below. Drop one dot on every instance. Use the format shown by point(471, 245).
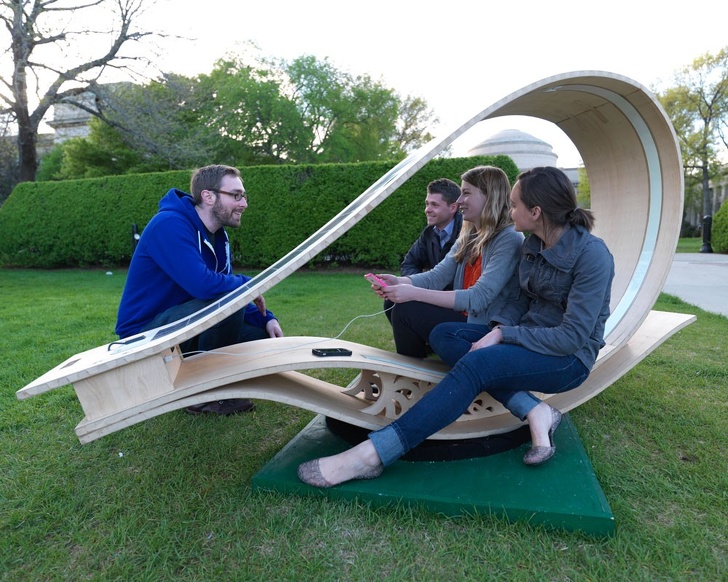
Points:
point(445, 233)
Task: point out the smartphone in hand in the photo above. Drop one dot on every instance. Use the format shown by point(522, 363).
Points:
point(372, 278)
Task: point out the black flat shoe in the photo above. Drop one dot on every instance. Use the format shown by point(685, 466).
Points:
point(223, 407)
point(538, 455)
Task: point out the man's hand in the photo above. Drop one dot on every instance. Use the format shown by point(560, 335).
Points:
point(260, 304)
point(273, 328)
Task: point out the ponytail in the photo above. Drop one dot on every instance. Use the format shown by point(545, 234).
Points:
point(581, 217)
point(552, 191)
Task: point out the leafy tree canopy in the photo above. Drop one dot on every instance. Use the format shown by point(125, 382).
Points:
point(697, 105)
point(249, 113)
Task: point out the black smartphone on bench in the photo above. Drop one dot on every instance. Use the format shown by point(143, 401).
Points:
point(328, 352)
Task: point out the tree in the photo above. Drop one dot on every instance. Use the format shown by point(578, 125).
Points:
point(102, 153)
point(8, 159)
point(366, 126)
point(161, 121)
point(244, 112)
point(414, 119)
point(349, 119)
point(306, 111)
point(255, 122)
point(41, 42)
point(583, 190)
point(698, 108)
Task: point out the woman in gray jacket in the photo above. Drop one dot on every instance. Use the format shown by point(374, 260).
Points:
point(478, 268)
point(547, 338)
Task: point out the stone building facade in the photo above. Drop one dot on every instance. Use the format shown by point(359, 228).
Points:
point(70, 121)
point(694, 208)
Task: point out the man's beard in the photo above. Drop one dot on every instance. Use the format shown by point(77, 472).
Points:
point(224, 216)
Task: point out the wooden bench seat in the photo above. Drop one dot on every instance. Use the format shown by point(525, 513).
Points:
point(257, 370)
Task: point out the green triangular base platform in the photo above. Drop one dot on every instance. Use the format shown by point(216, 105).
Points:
point(561, 494)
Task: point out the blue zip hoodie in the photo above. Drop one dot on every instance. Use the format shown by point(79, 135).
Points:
point(175, 262)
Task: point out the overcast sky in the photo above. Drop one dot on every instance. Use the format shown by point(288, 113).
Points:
point(461, 56)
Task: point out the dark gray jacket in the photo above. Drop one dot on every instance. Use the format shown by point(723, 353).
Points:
point(564, 297)
point(426, 252)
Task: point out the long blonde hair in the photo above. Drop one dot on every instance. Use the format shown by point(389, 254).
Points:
point(494, 185)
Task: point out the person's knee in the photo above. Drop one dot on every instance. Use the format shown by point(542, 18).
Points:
point(406, 314)
point(441, 335)
point(249, 333)
point(447, 342)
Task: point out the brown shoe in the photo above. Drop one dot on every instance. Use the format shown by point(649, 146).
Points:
point(223, 407)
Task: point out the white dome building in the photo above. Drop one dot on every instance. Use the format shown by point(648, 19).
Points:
point(524, 149)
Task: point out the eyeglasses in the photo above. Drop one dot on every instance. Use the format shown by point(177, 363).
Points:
point(237, 195)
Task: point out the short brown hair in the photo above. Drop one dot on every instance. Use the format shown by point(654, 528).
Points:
point(209, 178)
point(448, 189)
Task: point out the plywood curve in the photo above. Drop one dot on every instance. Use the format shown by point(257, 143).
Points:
point(631, 155)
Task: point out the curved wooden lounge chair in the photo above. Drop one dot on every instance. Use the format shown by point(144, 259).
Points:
point(633, 162)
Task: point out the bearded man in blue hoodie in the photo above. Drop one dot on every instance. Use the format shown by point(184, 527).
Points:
point(183, 263)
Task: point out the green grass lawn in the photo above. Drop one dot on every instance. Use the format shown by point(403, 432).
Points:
point(171, 499)
point(689, 245)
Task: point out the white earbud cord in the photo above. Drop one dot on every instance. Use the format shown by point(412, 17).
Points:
point(273, 349)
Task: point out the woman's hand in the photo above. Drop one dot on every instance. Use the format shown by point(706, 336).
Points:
point(399, 293)
point(390, 280)
point(492, 338)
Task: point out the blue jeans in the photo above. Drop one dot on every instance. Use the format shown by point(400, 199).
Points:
point(230, 331)
point(504, 371)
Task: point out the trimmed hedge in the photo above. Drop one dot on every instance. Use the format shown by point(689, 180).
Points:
point(85, 223)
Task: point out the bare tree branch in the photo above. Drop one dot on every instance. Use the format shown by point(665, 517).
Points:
point(34, 23)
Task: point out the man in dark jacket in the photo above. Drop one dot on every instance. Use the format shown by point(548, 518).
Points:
point(438, 237)
point(183, 263)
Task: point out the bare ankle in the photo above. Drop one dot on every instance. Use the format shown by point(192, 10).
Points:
point(368, 454)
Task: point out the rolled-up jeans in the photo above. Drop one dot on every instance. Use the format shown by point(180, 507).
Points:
point(504, 371)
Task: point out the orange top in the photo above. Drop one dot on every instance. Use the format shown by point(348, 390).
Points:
point(471, 275)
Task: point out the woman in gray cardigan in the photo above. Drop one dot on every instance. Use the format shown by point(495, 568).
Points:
point(479, 268)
